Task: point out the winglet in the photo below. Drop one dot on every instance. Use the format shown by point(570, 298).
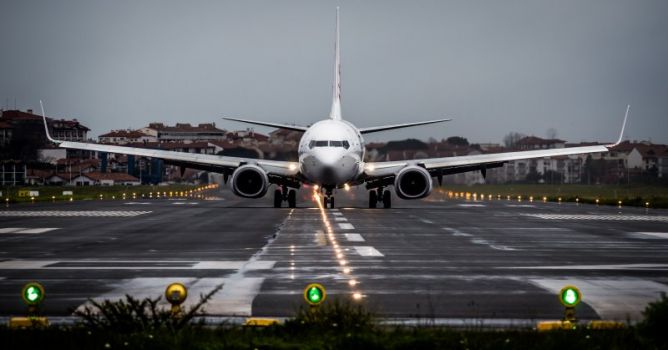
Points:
point(621, 134)
point(46, 127)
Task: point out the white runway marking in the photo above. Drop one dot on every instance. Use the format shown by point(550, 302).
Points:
point(236, 298)
point(28, 230)
point(337, 213)
point(471, 205)
point(137, 203)
point(346, 226)
point(11, 229)
point(600, 217)
point(367, 251)
point(354, 237)
point(520, 205)
point(133, 265)
point(654, 235)
point(456, 232)
point(631, 267)
point(340, 218)
point(426, 221)
point(185, 203)
point(70, 213)
point(614, 299)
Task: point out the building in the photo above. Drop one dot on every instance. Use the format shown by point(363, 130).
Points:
point(61, 129)
point(105, 179)
point(184, 132)
point(122, 137)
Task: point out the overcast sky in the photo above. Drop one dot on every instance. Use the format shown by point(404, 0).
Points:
point(493, 66)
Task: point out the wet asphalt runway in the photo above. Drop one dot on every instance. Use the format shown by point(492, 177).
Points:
point(421, 260)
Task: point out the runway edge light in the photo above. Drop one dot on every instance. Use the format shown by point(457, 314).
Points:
point(176, 293)
point(315, 294)
point(32, 294)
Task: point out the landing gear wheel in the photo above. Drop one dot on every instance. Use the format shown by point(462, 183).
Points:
point(292, 199)
point(373, 199)
point(324, 202)
point(387, 199)
point(278, 198)
point(331, 202)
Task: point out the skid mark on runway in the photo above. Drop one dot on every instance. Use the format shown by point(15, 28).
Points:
point(615, 299)
point(354, 237)
point(71, 213)
point(367, 251)
point(600, 217)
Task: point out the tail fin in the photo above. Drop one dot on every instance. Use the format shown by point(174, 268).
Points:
point(336, 98)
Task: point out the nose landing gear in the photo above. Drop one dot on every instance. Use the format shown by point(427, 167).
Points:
point(380, 195)
point(328, 198)
point(285, 195)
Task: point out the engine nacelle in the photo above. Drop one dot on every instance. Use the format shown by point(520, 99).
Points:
point(249, 181)
point(413, 182)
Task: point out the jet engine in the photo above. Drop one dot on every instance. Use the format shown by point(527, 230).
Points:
point(413, 182)
point(249, 181)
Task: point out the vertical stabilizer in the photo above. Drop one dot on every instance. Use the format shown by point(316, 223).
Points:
point(336, 98)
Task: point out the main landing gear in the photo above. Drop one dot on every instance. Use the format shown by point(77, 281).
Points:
point(284, 194)
point(380, 195)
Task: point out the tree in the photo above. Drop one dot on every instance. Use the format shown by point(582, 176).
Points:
point(510, 140)
point(457, 141)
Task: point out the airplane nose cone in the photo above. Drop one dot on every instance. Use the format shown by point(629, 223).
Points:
point(328, 174)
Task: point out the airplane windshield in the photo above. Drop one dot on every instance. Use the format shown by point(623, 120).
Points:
point(315, 143)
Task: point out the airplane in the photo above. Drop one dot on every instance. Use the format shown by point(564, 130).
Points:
point(331, 156)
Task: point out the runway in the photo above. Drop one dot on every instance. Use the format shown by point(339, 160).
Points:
point(430, 259)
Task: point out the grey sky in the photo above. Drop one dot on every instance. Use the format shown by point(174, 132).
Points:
point(494, 66)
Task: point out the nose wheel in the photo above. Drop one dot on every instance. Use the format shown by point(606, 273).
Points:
point(285, 195)
point(378, 196)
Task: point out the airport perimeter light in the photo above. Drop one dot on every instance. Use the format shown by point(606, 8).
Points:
point(315, 294)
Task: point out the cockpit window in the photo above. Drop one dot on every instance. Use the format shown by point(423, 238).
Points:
point(315, 143)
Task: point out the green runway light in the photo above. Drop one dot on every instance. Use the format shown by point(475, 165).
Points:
point(32, 293)
point(570, 296)
point(315, 294)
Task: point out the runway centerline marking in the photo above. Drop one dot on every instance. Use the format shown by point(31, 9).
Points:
point(367, 251)
point(354, 237)
point(36, 230)
point(466, 205)
point(11, 229)
point(346, 226)
point(340, 218)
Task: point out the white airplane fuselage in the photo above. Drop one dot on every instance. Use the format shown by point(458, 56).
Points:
point(331, 153)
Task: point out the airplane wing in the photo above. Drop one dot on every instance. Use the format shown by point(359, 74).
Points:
point(274, 125)
point(459, 164)
point(209, 162)
point(399, 126)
